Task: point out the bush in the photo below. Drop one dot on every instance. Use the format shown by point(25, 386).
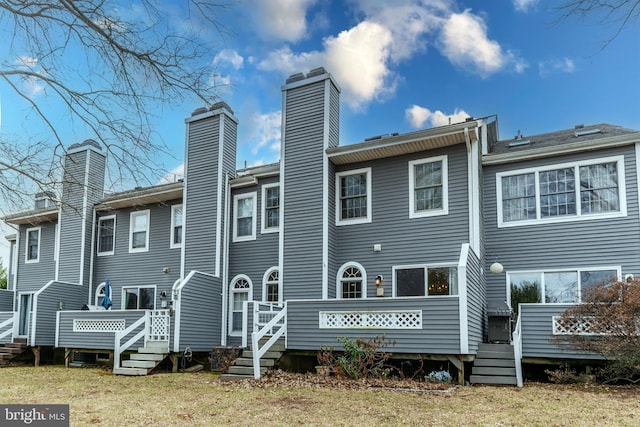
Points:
point(360, 358)
point(610, 321)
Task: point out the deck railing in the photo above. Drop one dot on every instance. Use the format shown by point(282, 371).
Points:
point(517, 350)
point(6, 327)
point(270, 320)
point(156, 328)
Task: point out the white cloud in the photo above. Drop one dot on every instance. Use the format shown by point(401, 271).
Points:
point(418, 116)
point(173, 176)
point(464, 41)
point(524, 5)
point(284, 20)
point(31, 85)
point(229, 56)
point(265, 131)
point(564, 65)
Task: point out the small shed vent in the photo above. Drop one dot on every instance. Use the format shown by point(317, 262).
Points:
point(586, 132)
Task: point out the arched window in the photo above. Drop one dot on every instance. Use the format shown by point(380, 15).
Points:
point(271, 285)
point(99, 294)
point(352, 281)
point(239, 292)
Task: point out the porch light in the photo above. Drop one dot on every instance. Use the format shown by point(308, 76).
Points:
point(379, 287)
point(60, 305)
point(496, 268)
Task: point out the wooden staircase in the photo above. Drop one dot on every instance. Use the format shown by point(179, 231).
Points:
point(145, 360)
point(494, 364)
point(242, 367)
point(9, 351)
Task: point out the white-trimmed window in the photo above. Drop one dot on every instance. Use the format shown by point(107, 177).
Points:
point(240, 291)
point(139, 231)
point(99, 297)
point(271, 285)
point(564, 192)
point(244, 213)
point(556, 286)
point(32, 248)
point(139, 298)
point(428, 187)
point(353, 196)
point(176, 226)
point(352, 281)
point(106, 235)
point(270, 208)
point(422, 280)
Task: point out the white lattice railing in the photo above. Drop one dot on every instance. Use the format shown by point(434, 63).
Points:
point(99, 325)
point(160, 326)
point(577, 326)
point(408, 319)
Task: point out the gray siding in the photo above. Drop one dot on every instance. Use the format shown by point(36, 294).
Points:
point(6, 300)
point(476, 301)
point(46, 306)
point(11, 273)
point(588, 243)
point(537, 333)
point(200, 313)
point(78, 198)
point(303, 154)
point(95, 340)
point(253, 258)
point(125, 269)
point(33, 276)
point(204, 140)
point(440, 333)
point(405, 240)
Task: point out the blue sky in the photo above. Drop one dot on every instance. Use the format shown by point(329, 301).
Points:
point(405, 65)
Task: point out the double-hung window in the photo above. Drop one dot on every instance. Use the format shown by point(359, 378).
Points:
point(428, 193)
point(32, 250)
point(106, 235)
point(353, 196)
point(176, 226)
point(270, 208)
point(244, 213)
point(565, 192)
point(420, 280)
point(139, 231)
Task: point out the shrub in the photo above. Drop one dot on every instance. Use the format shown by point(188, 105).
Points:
point(363, 358)
point(610, 321)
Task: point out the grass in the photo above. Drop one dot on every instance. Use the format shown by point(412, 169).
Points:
point(96, 397)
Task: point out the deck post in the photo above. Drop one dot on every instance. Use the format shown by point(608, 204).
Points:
point(68, 355)
point(36, 355)
point(174, 362)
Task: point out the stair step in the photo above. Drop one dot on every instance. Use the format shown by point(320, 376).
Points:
point(130, 371)
point(10, 350)
point(20, 341)
point(6, 356)
point(16, 345)
point(158, 344)
point(245, 370)
point(245, 361)
point(147, 357)
point(495, 347)
point(494, 355)
point(268, 355)
point(152, 350)
point(149, 364)
point(498, 380)
point(498, 363)
point(493, 371)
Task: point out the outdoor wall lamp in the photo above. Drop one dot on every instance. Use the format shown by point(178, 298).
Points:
point(496, 268)
point(60, 305)
point(379, 287)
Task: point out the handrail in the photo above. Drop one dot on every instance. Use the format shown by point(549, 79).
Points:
point(9, 325)
point(117, 349)
point(517, 349)
point(268, 328)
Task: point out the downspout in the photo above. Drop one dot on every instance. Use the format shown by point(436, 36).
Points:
point(225, 264)
point(93, 248)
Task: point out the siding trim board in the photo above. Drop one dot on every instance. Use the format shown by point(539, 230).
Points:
point(462, 302)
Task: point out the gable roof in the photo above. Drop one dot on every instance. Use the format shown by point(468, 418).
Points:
point(142, 196)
